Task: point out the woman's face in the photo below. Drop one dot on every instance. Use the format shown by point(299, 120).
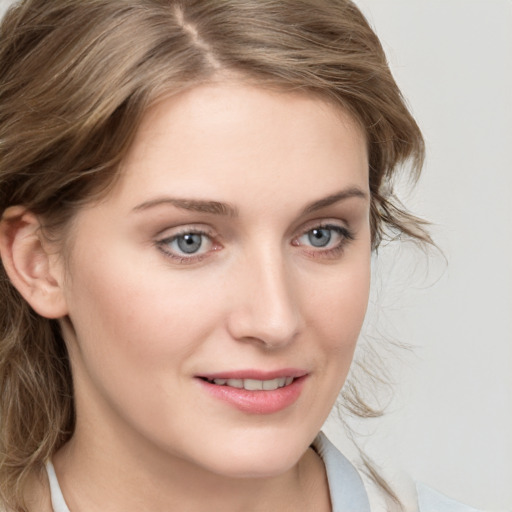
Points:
point(233, 254)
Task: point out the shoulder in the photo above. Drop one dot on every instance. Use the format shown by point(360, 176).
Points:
point(348, 491)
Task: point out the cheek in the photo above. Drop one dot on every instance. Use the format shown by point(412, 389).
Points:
point(128, 314)
point(338, 308)
point(335, 314)
point(135, 333)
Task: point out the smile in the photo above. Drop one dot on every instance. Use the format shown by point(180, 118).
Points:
point(256, 392)
point(254, 384)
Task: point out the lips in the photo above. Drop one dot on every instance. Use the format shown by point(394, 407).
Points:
point(256, 392)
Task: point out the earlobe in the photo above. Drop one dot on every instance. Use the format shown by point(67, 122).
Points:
point(31, 268)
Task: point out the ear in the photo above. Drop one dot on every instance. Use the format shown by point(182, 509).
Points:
point(35, 272)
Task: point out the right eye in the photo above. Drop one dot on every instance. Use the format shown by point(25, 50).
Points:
point(187, 246)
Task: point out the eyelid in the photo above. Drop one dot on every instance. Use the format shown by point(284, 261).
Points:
point(182, 228)
point(324, 223)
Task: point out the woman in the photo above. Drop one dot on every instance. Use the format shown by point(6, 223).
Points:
point(191, 193)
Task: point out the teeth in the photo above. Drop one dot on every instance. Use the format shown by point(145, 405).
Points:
point(235, 383)
point(255, 385)
point(274, 384)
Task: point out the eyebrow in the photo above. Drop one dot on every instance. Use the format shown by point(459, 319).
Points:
point(335, 198)
point(226, 209)
point(195, 205)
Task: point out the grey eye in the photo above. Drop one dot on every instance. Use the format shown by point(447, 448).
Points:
point(319, 237)
point(189, 243)
point(187, 246)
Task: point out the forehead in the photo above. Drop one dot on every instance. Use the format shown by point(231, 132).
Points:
point(232, 139)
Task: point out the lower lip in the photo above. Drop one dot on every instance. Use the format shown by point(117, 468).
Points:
point(257, 402)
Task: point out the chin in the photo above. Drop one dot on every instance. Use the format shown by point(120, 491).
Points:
point(257, 466)
point(270, 457)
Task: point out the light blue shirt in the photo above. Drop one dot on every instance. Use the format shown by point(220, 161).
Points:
point(348, 493)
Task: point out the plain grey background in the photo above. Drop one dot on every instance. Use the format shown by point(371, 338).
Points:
point(450, 423)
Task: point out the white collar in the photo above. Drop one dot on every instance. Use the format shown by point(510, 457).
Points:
point(58, 502)
point(346, 487)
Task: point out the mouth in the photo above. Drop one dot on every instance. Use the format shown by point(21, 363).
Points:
point(253, 384)
point(256, 392)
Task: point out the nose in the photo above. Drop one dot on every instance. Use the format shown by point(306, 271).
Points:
point(265, 306)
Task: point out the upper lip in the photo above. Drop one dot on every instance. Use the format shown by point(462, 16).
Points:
point(255, 374)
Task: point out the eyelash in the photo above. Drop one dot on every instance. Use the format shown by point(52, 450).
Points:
point(346, 236)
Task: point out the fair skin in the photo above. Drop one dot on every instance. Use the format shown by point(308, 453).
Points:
point(236, 245)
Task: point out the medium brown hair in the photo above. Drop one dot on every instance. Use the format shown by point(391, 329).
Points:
point(76, 76)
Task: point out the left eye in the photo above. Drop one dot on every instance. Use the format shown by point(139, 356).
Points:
point(319, 237)
point(324, 237)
